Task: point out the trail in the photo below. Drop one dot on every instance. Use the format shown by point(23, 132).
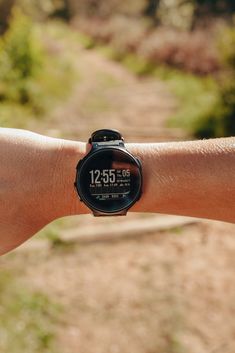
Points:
point(108, 95)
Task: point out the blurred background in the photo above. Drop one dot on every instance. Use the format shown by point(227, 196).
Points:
point(158, 70)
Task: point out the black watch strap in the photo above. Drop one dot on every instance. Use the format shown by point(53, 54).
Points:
point(104, 135)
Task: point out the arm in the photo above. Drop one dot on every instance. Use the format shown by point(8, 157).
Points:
point(34, 189)
point(193, 178)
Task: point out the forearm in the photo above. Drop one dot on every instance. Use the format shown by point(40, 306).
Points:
point(194, 178)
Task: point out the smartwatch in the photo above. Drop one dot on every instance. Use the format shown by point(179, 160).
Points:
point(109, 178)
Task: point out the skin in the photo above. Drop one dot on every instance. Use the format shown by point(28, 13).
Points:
point(193, 178)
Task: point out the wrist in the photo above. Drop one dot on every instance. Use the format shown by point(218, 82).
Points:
point(66, 156)
point(145, 152)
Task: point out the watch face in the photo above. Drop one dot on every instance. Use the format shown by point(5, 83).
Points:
point(109, 180)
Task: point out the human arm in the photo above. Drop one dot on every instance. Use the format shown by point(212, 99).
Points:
point(37, 173)
point(191, 178)
point(33, 183)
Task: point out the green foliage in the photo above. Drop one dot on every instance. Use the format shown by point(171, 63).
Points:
point(207, 105)
point(86, 41)
point(27, 318)
point(227, 47)
point(21, 60)
point(52, 233)
point(138, 65)
point(31, 71)
point(220, 121)
point(197, 98)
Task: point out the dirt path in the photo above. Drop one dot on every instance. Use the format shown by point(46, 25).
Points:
point(167, 292)
point(107, 94)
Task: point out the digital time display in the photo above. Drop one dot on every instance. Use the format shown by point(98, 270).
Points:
point(109, 180)
point(109, 183)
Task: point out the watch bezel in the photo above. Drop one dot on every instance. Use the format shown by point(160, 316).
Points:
point(85, 160)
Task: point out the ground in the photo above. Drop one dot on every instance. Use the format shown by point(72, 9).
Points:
point(168, 291)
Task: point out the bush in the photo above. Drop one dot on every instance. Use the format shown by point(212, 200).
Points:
point(21, 59)
point(221, 120)
point(32, 67)
point(193, 52)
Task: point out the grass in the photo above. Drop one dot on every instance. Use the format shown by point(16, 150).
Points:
point(52, 232)
point(196, 97)
point(27, 318)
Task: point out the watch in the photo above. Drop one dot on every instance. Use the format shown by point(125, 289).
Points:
point(109, 178)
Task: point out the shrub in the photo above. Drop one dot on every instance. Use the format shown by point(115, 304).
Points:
point(193, 52)
point(32, 67)
point(21, 60)
point(221, 120)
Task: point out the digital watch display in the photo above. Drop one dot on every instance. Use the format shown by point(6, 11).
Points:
point(108, 178)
